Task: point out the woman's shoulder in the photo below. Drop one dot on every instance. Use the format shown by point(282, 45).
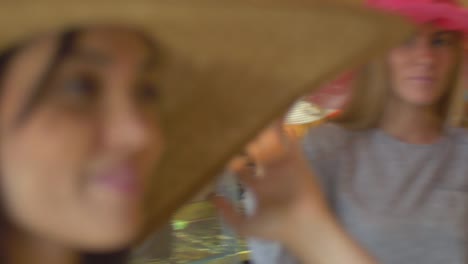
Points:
point(329, 130)
point(326, 139)
point(460, 137)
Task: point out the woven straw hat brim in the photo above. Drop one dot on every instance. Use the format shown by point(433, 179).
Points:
point(233, 66)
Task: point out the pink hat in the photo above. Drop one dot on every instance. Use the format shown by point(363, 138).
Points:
point(446, 14)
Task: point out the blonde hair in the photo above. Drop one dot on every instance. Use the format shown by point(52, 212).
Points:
point(371, 90)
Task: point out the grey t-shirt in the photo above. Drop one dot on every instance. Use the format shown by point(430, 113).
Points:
point(404, 203)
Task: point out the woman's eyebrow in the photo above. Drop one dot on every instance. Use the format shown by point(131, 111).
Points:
point(100, 59)
point(91, 56)
point(443, 33)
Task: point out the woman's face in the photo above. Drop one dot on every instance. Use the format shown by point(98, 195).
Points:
point(420, 68)
point(73, 170)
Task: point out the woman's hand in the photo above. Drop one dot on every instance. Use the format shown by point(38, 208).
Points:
point(290, 206)
point(286, 191)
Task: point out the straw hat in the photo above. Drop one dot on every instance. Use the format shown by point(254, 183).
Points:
point(232, 66)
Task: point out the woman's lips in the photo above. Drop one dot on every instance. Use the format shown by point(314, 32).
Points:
point(121, 178)
point(423, 79)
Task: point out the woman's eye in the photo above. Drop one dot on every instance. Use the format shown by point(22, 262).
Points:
point(439, 42)
point(147, 93)
point(83, 87)
point(444, 39)
point(77, 93)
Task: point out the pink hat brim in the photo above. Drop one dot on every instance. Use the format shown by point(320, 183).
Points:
point(444, 15)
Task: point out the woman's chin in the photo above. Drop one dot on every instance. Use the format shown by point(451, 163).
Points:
point(423, 100)
point(110, 235)
point(102, 243)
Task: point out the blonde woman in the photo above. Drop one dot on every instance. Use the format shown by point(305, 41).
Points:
point(392, 169)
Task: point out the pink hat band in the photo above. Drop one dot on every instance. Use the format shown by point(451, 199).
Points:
point(446, 14)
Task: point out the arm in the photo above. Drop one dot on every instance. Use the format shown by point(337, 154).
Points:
point(291, 208)
point(321, 240)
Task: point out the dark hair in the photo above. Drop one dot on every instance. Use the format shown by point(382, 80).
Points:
point(67, 40)
point(66, 45)
point(5, 58)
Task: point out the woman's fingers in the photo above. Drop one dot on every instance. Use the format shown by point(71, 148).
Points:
point(245, 171)
point(238, 163)
point(271, 145)
point(230, 214)
point(251, 226)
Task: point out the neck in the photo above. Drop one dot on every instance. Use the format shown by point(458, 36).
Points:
point(412, 124)
point(22, 248)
